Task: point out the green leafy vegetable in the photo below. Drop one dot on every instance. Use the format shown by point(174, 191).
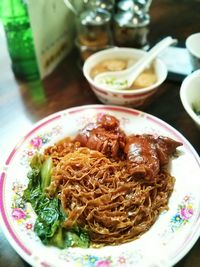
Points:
point(49, 219)
point(50, 216)
point(58, 239)
point(77, 239)
point(37, 161)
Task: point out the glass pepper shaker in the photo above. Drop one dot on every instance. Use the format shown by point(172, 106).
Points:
point(93, 31)
point(131, 27)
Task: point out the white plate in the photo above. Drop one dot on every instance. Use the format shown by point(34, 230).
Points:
point(168, 240)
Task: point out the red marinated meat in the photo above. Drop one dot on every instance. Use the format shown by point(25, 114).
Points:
point(104, 136)
point(146, 154)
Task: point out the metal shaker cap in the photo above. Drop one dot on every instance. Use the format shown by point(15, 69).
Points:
point(131, 19)
point(95, 17)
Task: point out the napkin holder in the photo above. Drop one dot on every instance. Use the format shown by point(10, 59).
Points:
point(53, 27)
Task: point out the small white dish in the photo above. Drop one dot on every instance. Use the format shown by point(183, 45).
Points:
point(190, 95)
point(193, 46)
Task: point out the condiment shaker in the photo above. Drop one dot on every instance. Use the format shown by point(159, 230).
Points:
point(93, 31)
point(131, 24)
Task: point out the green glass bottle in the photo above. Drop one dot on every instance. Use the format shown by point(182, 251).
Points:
point(19, 38)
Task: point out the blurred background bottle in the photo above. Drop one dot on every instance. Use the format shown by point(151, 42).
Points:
point(18, 32)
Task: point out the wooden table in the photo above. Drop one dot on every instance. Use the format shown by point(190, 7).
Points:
point(22, 104)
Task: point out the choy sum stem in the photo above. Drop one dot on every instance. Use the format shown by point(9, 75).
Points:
point(46, 173)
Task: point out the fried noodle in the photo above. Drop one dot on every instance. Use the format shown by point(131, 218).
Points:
point(100, 195)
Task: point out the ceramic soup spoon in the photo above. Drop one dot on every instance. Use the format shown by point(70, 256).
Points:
point(124, 79)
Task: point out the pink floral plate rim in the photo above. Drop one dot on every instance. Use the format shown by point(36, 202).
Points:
point(18, 245)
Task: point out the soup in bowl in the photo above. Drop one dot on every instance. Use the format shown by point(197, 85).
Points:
point(141, 91)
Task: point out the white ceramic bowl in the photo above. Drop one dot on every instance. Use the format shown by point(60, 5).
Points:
point(192, 45)
point(134, 97)
point(190, 94)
